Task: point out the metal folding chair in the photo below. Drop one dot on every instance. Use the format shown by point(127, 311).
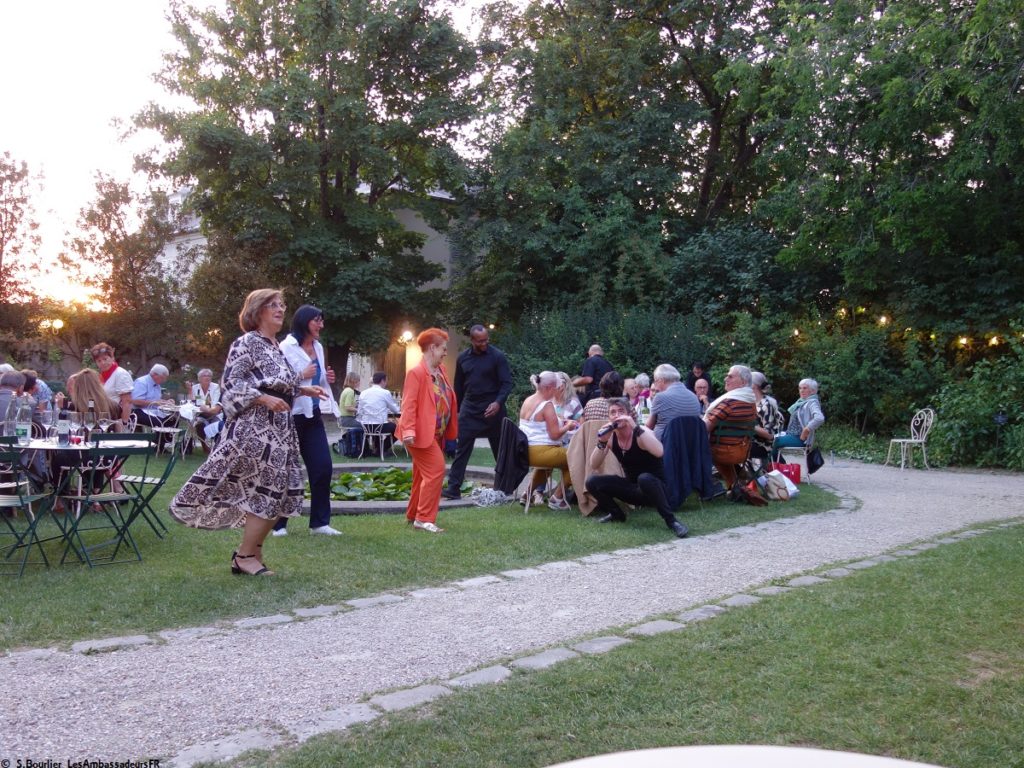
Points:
point(97, 506)
point(20, 520)
point(146, 487)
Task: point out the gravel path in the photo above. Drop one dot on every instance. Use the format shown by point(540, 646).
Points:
point(158, 699)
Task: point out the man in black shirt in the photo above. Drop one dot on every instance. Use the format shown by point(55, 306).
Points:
point(594, 367)
point(483, 382)
point(640, 454)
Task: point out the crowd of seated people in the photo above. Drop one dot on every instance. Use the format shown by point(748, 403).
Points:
point(744, 421)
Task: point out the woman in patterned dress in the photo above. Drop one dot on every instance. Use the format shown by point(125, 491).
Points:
point(253, 475)
point(429, 418)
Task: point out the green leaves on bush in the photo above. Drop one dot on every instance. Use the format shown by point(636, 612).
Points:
point(966, 428)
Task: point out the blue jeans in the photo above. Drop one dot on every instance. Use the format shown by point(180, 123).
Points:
point(316, 455)
point(785, 441)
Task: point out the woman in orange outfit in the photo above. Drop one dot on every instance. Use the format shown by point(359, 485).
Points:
point(429, 418)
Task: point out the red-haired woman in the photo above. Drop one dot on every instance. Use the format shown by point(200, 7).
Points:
point(429, 418)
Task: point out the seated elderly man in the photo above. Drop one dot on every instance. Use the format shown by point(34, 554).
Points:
point(730, 420)
point(641, 455)
point(11, 384)
point(375, 404)
point(672, 399)
point(147, 398)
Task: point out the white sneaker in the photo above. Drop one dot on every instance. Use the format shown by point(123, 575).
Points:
point(279, 532)
point(325, 530)
point(428, 527)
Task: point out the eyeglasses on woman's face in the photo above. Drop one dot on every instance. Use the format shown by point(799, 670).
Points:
point(278, 305)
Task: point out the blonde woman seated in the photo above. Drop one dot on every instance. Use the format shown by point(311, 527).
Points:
point(544, 432)
point(567, 404)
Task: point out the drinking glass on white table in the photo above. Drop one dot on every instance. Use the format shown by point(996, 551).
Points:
point(76, 426)
point(46, 420)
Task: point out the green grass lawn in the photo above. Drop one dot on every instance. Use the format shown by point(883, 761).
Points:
point(920, 659)
point(184, 579)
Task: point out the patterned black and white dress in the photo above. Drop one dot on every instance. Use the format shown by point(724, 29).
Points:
point(255, 466)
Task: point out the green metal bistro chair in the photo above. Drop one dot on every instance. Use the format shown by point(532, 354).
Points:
point(19, 519)
point(104, 505)
point(146, 487)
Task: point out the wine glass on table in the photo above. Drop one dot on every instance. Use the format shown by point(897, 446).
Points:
point(89, 420)
point(46, 420)
point(104, 423)
point(75, 419)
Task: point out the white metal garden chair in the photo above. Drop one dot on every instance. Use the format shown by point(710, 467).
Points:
point(920, 426)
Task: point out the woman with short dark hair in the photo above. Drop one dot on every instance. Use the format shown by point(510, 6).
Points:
point(305, 354)
point(611, 385)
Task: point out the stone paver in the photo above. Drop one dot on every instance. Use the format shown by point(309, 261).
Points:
point(226, 748)
point(319, 610)
point(545, 659)
point(806, 581)
point(263, 621)
point(600, 644)
point(906, 552)
point(410, 697)
point(649, 628)
point(701, 613)
point(740, 601)
point(332, 720)
point(522, 573)
point(429, 592)
point(189, 633)
point(485, 676)
point(862, 565)
point(479, 581)
point(373, 602)
point(111, 644)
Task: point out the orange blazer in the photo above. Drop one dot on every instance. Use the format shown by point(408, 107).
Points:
point(419, 416)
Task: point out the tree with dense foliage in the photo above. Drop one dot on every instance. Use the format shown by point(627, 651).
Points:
point(903, 162)
point(315, 122)
point(18, 241)
point(629, 126)
point(118, 253)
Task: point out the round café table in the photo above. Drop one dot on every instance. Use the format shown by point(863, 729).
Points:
point(739, 756)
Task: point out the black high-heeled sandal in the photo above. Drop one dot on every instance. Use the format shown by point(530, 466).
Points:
point(237, 570)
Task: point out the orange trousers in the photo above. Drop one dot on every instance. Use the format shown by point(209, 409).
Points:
point(427, 480)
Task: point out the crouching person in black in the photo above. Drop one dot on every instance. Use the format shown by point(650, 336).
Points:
point(640, 454)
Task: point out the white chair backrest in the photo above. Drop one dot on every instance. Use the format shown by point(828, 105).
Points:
point(921, 424)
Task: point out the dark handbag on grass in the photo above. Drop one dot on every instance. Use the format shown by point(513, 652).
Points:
point(815, 461)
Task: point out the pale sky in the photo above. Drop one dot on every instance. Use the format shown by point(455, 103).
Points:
point(71, 67)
